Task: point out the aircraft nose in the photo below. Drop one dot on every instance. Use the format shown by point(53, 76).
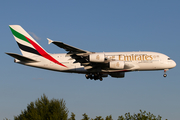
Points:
point(173, 64)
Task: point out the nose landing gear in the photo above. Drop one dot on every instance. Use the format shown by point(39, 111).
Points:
point(165, 75)
point(165, 70)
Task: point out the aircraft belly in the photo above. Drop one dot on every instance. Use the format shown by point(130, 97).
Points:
point(150, 66)
point(50, 66)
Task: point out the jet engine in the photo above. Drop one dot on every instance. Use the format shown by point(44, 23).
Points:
point(96, 57)
point(116, 64)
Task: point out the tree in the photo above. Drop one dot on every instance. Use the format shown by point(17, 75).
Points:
point(108, 117)
point(44, 109)
point(139, 116)
point(72, 116)
point(98, 118)
point(6, 119)
point(85, 117)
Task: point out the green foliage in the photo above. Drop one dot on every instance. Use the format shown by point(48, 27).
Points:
point(6, 119)
point(85, 117)
point(140, 116)
point(98, 118)
point(72, 116)
point(44, 109)
point(108, 117)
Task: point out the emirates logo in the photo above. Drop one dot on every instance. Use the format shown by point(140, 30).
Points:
point(97, 57)
point(117, 64)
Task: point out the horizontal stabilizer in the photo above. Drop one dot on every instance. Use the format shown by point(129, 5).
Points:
point(21, 58)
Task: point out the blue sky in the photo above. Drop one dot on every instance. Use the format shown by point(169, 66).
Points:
point(98, 26)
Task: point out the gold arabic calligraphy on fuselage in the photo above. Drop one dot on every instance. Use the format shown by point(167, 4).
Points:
point(133, 57)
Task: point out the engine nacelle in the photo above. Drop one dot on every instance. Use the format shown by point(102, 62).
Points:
point(116, 64)
point(117, 75)
point(96, 57)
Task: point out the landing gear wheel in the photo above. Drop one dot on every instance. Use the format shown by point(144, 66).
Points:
point(87, 76)
point(165, 75)
point(95, 76)
point(165, 70)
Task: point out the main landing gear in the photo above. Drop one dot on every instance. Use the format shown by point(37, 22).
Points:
point(165, 70)
point(95, 76)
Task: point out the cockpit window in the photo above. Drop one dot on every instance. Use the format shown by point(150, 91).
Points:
point(169, 58)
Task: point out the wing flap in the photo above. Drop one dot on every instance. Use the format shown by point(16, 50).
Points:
point(21, 58)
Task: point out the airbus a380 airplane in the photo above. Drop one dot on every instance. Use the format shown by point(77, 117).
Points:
point(94, 65)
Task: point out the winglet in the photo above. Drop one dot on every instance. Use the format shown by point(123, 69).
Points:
point(49, 41)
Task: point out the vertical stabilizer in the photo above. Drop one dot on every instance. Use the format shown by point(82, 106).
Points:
point(27, 45)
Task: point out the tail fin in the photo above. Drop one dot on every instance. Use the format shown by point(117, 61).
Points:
point(27, 45)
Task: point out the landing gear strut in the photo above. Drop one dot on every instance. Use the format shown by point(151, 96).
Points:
point(95, 76)
point(165, 70)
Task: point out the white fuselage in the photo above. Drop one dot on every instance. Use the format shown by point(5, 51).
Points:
point(94, 65)
point(135, 61)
